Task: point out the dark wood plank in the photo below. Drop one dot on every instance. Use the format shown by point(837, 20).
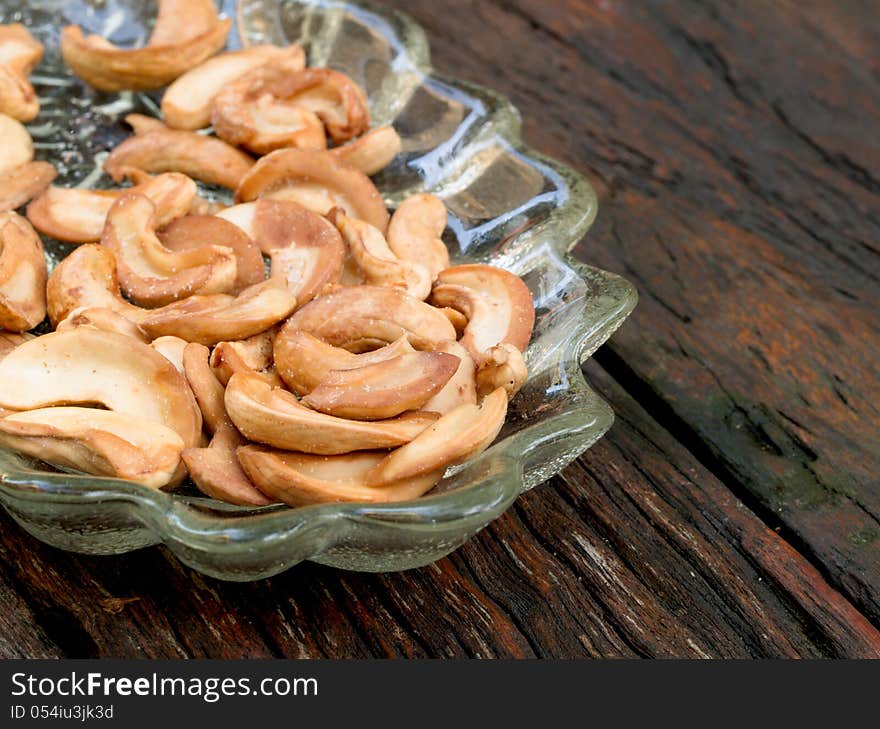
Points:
point(735, 150)
point(636, 550)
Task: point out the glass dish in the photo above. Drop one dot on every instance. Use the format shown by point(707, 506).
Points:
point(508, 205)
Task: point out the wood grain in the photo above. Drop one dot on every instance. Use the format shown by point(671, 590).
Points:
point(734, 147)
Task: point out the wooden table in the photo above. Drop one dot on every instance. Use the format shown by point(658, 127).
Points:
point(734, 508)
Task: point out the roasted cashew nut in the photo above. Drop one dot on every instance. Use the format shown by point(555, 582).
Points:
point(252, 355)
point(78, 216)
point(186, 33)
point(19, 53)
point(186, 103)
point(98, 442)
point(459, 435)
point(152, 275)
point(381, 313)
point(303, 360)
point(383, 389)
point(16, 145)
point(377, 263)
point(415, 230)
point(203, 158)
point(86, 366)
point(22, 274)
point(254, 112)
point(305, 249)
point(371, 152)
point(275, 417)
point(215, 469)
point(197, 231)
point(316, 180)
point(300, 479)
point(21, 184)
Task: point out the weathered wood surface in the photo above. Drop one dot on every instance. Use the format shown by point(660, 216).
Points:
point(732, 510)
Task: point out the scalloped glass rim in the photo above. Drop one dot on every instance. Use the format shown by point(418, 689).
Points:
point(582, 307)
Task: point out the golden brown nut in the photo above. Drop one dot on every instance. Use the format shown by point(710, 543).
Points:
point(252, 355)
point(22, 274)
point(209, 319)
point(215, 469)
point(458, 436)
point(306, 250)
point(502, 366)
point(317, 181)
point(383, 389)
point(87, 366)
point(170, 150)
point(78, 216)
point(415, 230)
point(461, 388)
point(371, 152)
point(300, 479)
point(498, 305)
point(19, 53)
point(87, 279)
point(16, 145)
point(171, 348)
point(152, 275)
point(187, 102)
point(186, 33)
point(106, 320)
point(303, 361)
point(254, 112)
point(98, 442)
point(377, 263)
point(348, 314)
point(21, 184)
point(197, 231)
point(275, 417)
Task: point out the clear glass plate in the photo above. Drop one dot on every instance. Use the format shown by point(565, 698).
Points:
point(508, 205)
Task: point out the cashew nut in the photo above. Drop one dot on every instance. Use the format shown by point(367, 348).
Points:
point(502, 366)
point(203, 158)
point(384, 389)
point(16, 145)
point(23, 183)
point(187, 102)
point(461, 434)
point(215, 469)
point(19, 53)
point(306, 250)
point(303, 361)
point(197, 231)
point(300, 479)
point(171, 348)
point(316, 180)
point(372, 151)
point(98, 442)
point(209, 319)
point(22, 274)
point(461, 387)
point(377, 262)
point(186, 33)
point(415, 230)
point(498, 305)
point(152, 275)
point(275, 417)
point(86, 366)
point(78, 216)
point(255, 110)
point(106, 320)
point(87, 279)
point(347, 314)
point(252, 355)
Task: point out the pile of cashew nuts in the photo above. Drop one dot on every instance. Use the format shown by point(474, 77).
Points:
point(299, 346)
